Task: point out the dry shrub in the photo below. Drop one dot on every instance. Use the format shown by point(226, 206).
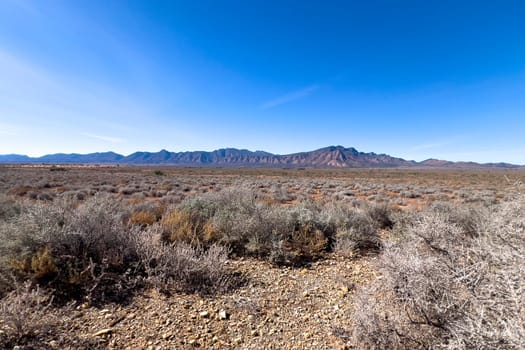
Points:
point(142, 218)
point(20, 190)
point(468, 218)
point(76, 251)
point(90, 251)
point(448, 284)
point(8, 207)
point(294, 235)
point(24, 314)
point(381, 215)
point(306, 243)
point(284, 235)
point(356, 231)
point(40, 266)
point(186, 226)
point(183, 267)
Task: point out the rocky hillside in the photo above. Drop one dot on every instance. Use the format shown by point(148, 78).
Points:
point(328, 157)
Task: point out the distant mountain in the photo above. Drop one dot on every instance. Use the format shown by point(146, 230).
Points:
point(328, 157)
point(74, 158)
point(437, 163)
point(15, 158)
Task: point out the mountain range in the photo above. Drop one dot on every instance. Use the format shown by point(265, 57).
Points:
point(327, 157)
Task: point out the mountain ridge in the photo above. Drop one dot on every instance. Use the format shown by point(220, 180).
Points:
point(326, 157)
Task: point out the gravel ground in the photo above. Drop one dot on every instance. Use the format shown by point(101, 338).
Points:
point(277, 308)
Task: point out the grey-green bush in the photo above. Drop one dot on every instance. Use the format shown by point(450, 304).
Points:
point(447, 284)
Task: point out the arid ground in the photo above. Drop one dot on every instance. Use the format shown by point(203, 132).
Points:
point(222, 258)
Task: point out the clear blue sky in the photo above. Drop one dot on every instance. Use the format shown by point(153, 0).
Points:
point(415, 79)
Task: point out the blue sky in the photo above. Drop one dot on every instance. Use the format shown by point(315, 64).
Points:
point(414, 79)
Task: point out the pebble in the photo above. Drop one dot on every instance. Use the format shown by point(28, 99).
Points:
point(167, 335)
point(204, 314)
point(103, 332)
point(237, 340)
point(223, 315)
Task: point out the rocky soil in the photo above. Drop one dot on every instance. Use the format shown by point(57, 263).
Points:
point(276, 308)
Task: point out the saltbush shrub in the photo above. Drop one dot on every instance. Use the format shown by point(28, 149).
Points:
point(73, 250)
point(91, 251)
point(183, 267)
point(285, 235)
point(455, 280)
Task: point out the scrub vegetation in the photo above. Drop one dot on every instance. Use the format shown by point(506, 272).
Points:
point(444, 262)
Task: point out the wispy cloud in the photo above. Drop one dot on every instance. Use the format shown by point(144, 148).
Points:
point(104, 138)
point(289, 97)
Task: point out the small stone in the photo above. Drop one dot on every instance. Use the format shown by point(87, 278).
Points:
point(237, 340)
point(223, 315)
point(305, 293)
point(103, 332)
point(254, 333)
point(84, 306)
point(204, 314)
point(344, 289)
point(303, 271)
point(167, 335)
